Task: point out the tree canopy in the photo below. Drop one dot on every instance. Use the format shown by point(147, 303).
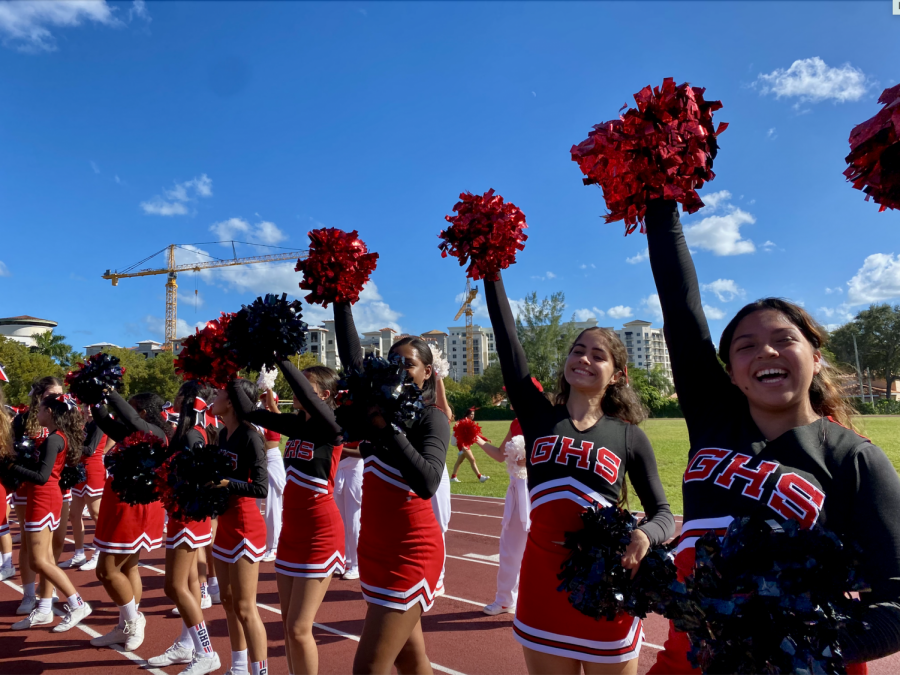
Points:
point(544, 335)
point(877, 332)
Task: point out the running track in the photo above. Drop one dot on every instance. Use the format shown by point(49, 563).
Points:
point(459, 637)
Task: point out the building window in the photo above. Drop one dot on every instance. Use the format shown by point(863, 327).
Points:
point(314, 338)
point(314, 349)
point(639, 349)
point(331, 342)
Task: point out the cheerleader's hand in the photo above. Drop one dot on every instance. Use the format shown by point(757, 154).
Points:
point(636, 551)
point(376, 418)
point(221, 484)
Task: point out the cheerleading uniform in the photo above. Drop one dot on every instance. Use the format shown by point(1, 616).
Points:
point(570, 470)
point(124, 529)
point(20, 496)
point(241, 531)
point(348, 496)
point(401, 546)
point(312, 539)
point(821, 473)
point(277, 482)
point(44, 498)
point(513, 533)
point(193, 533)
point(92, 459)
point(5, 498)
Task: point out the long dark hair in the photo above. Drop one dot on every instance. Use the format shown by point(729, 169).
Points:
point(250, 390)
point(33, 428)
point(187, 418)
point(619, 400)
point(824, 391)
point(70, 422)
point(326, 380)
point(423, 351)
point(6, 433)
point(151, 405)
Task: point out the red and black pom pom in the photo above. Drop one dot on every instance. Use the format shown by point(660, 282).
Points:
point(185, 482)
point(95, 378)
point(337, 267)
point(133, 464)
point(663, 149)
point(486, 232)
point(205, 356)
point(265, 331)
point(467, 432)
point(874, 159)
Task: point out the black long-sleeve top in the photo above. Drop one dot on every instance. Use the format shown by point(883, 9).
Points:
point(598, 457)
point(127, 422)
point(421, 452)
point(310, 448)
point(48, 451)
point(819, 473)
point(249, 475)
point(93, 434)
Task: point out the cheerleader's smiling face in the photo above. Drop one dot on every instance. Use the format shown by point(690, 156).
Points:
point(417, 370)
point(222, 404)
point(590, 367)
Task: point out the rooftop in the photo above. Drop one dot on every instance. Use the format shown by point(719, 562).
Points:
point(27, 319)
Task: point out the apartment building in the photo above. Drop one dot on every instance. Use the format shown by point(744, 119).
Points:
point(646, 345)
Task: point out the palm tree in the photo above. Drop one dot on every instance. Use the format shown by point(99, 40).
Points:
point(56, 348)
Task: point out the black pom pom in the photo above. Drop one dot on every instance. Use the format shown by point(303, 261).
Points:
point(133, 464)
point(26, 455)
point(95, 378)
point(72, 476)
point(265, 331)
point(186, 479)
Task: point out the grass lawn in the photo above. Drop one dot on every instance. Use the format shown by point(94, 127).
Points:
point(670, 442)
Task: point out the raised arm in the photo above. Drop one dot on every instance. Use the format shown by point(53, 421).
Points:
point(318, 410)
point(492, 451)
point(51, 448)
point(130, 418)
point(247, 411)
point(702, 384)
point(114, 429)
point(349, 347)
point(422, 467)
point(644, 475)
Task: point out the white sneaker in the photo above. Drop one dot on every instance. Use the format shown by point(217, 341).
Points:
point(73, 617)
point(6, 572)
point(116, 636)
point(205, 599)
point(35, 618)
point(174, 654)
point(496, 608)
point(232, 671)
point(201, 665)
point(454, 480)
point(135, 631)
point(350, 574)
point(74, 561)
point(85, 512)
point(216, 598)
point(91, 564)
point(29, 602)
point(270, 556)
point(482, 478)
point(176, 611)
point(440, 591)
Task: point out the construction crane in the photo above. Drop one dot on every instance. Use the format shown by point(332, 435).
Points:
point(172, 270)
point(467, 310)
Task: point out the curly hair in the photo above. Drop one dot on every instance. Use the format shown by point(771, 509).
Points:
point(71, 423)
point(7, 451)
point(250, 390)
point(151, 405)
point(38, 390)
point(187, 418)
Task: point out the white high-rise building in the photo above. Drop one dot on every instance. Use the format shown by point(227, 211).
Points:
point(646, 346)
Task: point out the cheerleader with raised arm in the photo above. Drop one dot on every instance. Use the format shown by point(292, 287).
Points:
point(240, 541)
point(311, 547)
point(124, 530)
point(58, 414)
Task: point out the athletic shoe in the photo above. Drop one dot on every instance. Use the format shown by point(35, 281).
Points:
point(216, 598)
point(85, 512)
point(482, 478)
point(6, 572)
point(350, 574)
point(73, 617)
point(205, 600)
point(35, 618)
point(454, 480)
point(269, 556)
point(440, 591)
point(201, 665)
point(496, 608)
point(75, 561)
point(130, 636)
point(91, 564)
point(116, 636)
point(29, 602)
point(232, 671)
point(176, 611)
point(174, 654)
point(17, 539)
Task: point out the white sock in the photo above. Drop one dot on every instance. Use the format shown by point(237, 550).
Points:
point(79, 552)
point(128, 611)
point(259, 667)
point(7, 559)
point(45, 605)
point(200, 639)
point(74, 601)
point(185, 639)
point(239, 661)
point(29, 589)
point(213, 584)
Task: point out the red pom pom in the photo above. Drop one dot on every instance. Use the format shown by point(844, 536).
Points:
point(337, 268)
point(486, 232)
point(204, 356)
point(874, 157)
point(664, 149)
point(466, 432)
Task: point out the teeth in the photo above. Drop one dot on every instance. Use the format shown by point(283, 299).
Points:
point(771, 371)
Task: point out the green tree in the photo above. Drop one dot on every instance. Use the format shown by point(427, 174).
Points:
point(877, 332)
point(658, 379)
point(639, 380)
point(54, 346)
point(158, 375)
point(490, 383)
point(135, 370)
point(282, 389)
point(23, 367)
point(545, 337)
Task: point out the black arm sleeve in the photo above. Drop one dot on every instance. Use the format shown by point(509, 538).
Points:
point(130, 418)
point(641, 467)
point(349, 347)
point(93, 436)
point(247, 410)
point(50, 448)
point(523, 395)
point(876, 529)
point(115, 429)
point(702, 384)
point(319, 411)
point(422, 467)
point(258, 486)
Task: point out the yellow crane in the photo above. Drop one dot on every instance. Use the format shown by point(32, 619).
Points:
point(172, 271)
point(467, 310)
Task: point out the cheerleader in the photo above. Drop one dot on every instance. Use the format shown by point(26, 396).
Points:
point(348, 481)
point(770, 431)
point(240, 541)
point(577, 452)
point(277, 478)
point(401, 548)
point(311, 548)
point(465, 453)
point(59, 414)
point(184, 539)
point(515, 524)
point(26, 426)
point(123, 530)
point(7, 456)
point(441, 502)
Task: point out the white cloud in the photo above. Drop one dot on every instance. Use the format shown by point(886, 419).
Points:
point(26, 24)
point(95, 167)
point(619, 312)
point(721, 234)
point(190, 299)
point(139, 10)
point(836, 289)
point(841, 313)
point(771, 135)
point(725, 290)
point(263, 232)
point(813, 80)
point(769, 246)
point(638, 258)
point(652, 305)
point(715, 199)
point(876, 281)
point(550, 275)
point(156, 326)
point(592, 313)
point(713, 313)
point(174, 202)
point(118, 180)
point(592, 266)
point(4, 270)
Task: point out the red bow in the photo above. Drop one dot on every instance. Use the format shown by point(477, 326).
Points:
point(3, 377)
point(204, 419)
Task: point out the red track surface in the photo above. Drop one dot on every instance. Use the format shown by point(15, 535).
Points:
point(460, 638)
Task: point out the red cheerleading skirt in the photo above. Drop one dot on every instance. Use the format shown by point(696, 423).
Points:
point(241, 531)
point(193, 533)
point(545, 619)
point(96, 477)
point(20, 496)
point(311, 543)
point(44, 502)
point(401, 548)
point(67, 496)
point(4, 502)
point(126, 529)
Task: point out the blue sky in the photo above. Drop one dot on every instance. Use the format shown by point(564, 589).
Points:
point(129, 126)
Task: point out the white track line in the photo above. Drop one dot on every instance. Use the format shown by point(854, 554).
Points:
point(141, 663)
point(483, 501)
point(473, 560)
point(480, 515)
point(474, 497)
point(477, 534)
point(151, 567)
